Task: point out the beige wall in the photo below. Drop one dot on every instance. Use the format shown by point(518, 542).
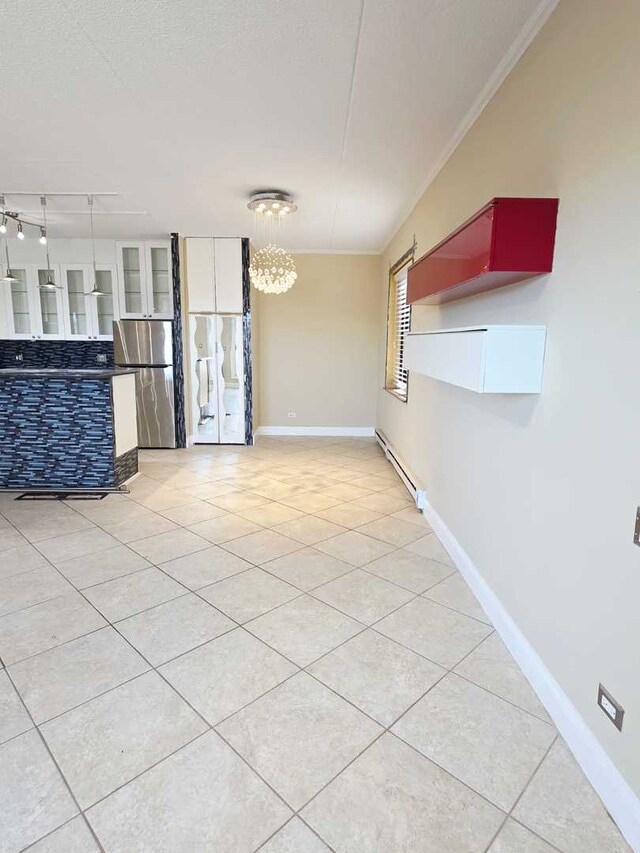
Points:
point(542, 491)
point(317, 344)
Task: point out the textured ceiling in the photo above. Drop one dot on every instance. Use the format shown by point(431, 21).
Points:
point(183, 107)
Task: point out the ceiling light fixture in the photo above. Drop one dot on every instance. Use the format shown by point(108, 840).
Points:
point(95, 291)
point(3, 225)
point(43, 236)
point(272, 203)
point(20, 234)
point(9, 277)
point(49, 284)
point(272, 270)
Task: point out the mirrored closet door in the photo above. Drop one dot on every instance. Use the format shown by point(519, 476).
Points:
point(217, 379)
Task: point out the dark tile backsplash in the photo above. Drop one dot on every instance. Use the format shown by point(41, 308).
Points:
point(62, 354)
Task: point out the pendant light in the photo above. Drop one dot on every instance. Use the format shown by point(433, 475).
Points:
point(9, 277)
point(272, 269)
point(96, 290)
point(49, 284)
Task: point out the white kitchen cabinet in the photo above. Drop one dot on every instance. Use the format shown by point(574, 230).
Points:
point(145, 280)
point(105, 309)
point(34, 313)
point(20, 306)
point(159, 280)
point(228, 275)
point(214, 275)
point(88, 317)
point(200, 272)
point(484, 359)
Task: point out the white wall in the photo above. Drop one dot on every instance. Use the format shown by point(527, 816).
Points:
point(542, 491)
point(317, 344)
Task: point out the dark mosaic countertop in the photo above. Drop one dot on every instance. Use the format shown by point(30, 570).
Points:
point(62, 373)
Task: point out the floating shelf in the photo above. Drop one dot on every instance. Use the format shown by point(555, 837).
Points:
point(509, 240)
point(485, 359)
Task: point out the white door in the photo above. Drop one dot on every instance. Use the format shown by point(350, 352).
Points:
point(76, 283)
point(159, 280)
point(104, 309)
point(228, 275)
point(132, 281)
point(50, 303)
point(21, 308)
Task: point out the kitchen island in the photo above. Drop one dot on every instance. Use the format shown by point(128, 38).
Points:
point(67, 429)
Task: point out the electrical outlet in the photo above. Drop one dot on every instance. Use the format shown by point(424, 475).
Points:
point(612, 709)
point(101, 357)
point(19, 356)
point(291, 414)
point(636, 532)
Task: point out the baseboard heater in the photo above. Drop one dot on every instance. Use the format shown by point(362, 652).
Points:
point(416, 491)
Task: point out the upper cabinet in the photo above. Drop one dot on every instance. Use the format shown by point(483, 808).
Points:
point(509, 240)
point(214, 275)
point(133, 280)
point(145, 280)
point(32, 311)
point(89, 315)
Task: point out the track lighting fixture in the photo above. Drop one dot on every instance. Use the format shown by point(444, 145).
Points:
point(3, 225)
point(43, 236)
point(20, 234)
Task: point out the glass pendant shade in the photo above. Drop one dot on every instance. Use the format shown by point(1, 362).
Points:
point(272, 270)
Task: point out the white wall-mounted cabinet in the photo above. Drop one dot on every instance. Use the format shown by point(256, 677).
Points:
point(214, 275)
point(89, 317)
point(484, 359)
point(228, 267)
point(31, 312)
point(144, 280)
point(135, 276)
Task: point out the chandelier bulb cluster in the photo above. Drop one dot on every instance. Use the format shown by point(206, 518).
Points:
point(272, 204)
point(272, 270)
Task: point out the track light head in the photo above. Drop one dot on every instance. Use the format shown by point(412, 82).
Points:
point(20, 234)
point(43, 236)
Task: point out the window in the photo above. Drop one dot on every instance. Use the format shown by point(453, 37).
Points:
point(398, 324)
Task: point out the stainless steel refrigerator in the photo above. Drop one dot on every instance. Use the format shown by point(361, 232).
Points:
point(147, 345)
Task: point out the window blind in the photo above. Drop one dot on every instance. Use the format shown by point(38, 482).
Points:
point(399, 325)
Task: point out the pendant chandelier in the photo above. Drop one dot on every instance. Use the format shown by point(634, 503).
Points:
point(272, 269)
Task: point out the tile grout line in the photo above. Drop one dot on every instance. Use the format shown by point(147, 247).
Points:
point(44, 742)
point(298, 670)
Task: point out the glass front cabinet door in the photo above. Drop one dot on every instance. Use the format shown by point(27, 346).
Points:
point(144, 280)
point(49, 296)
point(105, 306)
point(132, 280)
point(21, 309)
point(77, 305)
point(90, 301)
point(159, 279)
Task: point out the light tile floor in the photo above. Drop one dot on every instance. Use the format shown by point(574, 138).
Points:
point(265, 649)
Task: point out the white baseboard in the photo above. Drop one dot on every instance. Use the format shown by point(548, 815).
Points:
point(619, 800)
point(356, 432)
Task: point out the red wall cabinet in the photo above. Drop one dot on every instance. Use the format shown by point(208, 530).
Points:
point(509, 240)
